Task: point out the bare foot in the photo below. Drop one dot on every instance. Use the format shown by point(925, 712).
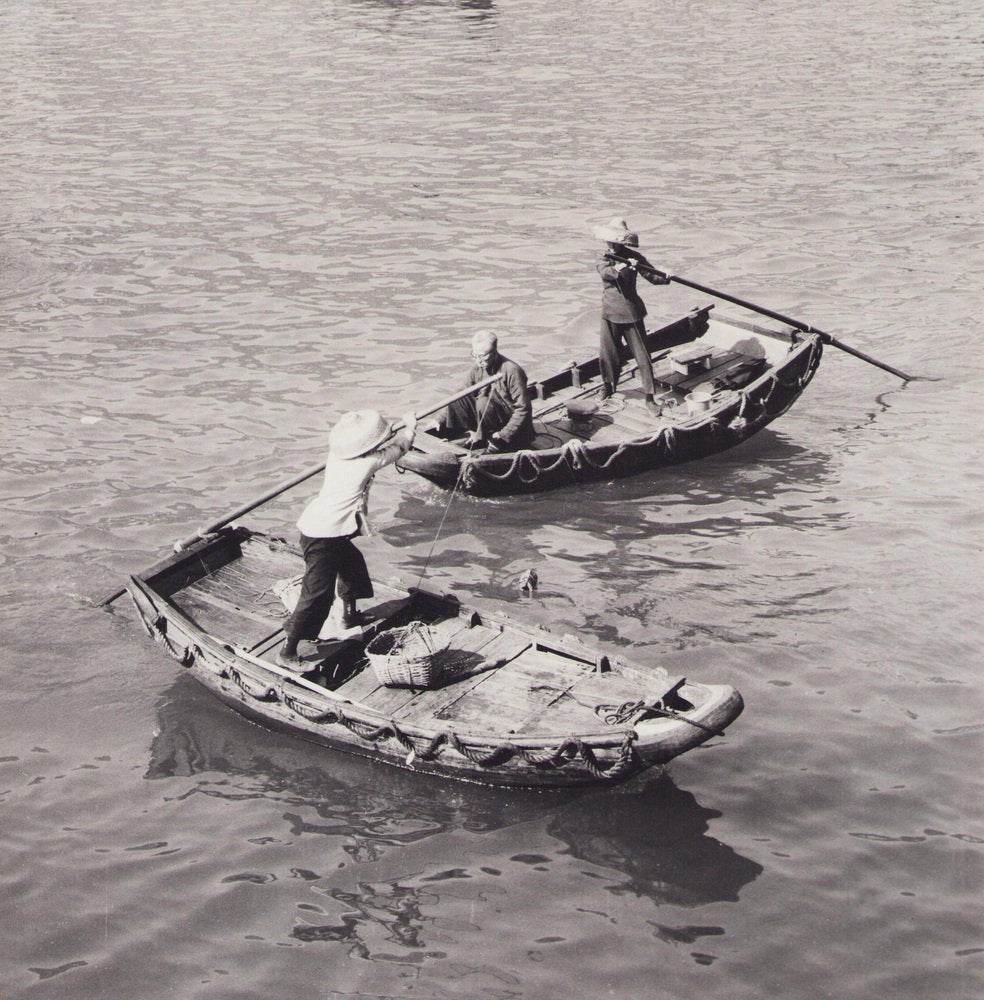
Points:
point(293, 663)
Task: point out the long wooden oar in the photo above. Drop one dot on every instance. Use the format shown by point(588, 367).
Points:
point(291, 483)
point(827, 338)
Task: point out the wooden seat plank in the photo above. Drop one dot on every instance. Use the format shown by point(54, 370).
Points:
point(685, 383)
point(221, 619)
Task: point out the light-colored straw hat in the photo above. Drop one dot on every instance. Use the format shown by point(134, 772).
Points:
point(358, 432)
point(616, 231)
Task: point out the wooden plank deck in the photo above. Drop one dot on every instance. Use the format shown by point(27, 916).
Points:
point(425, 706)
point(222, 618)
point(508, 696)
point(478, 648)
point(584, 704)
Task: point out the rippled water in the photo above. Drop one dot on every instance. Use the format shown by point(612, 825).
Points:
point(224, 224)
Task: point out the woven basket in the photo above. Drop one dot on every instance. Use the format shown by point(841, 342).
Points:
point(405, 656)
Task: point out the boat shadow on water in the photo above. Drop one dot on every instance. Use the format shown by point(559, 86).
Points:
point(652, 835)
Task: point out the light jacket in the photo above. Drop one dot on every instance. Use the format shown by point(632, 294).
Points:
point(342, 506)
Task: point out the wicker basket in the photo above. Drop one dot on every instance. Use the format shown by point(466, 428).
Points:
point(405, 657)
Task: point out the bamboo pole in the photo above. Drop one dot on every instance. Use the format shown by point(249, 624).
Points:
point(298, 479)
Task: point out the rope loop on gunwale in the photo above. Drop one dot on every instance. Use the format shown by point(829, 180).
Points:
point(267, 693)
point(569, 751)
point(528, 466)
point(185, 655)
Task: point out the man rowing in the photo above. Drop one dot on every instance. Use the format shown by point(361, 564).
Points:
point(622, 309)
point(498, 417)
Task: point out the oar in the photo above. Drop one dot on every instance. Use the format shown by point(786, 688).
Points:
point(827, 338)
point(291, 483)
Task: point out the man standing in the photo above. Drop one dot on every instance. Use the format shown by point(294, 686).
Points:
point(498, 416)
point(360, 444)
point(622, 310)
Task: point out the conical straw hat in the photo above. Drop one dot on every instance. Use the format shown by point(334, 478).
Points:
point(358, 432)
point(616, 231)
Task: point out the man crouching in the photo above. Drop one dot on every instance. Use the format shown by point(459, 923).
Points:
point(499, 416)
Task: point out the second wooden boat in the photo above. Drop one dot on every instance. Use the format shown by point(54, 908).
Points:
point(721, 381)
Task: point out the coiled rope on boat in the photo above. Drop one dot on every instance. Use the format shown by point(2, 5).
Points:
point(615, 715)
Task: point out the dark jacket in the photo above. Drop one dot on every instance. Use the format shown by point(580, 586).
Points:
point(620, 302)
point(511, 391)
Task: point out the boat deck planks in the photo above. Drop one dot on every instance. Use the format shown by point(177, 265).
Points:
point(516, 690)
point(429, 704)
point(491, 647)
point(217, 616)
point(583, 702)
point(636, 420)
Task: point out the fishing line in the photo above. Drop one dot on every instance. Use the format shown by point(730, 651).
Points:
point(454, 491)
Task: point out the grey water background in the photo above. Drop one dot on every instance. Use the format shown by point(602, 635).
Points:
point(224, 224)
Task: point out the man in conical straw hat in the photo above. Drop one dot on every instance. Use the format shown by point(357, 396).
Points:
point(622, 310)
point(360, 444)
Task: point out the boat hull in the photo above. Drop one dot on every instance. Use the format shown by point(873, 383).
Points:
point(732, 418)
point(544, 758)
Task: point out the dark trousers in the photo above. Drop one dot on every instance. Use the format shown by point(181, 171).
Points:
point(327, 562)
point(480, 412)
point(613, 335)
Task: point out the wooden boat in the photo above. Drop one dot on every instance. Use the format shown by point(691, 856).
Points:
point(512, 705)
point(720, 380)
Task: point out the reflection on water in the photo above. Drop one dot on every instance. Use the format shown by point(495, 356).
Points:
point(769, 482)
point(656, 837)
point(761, 474)
point(398, 13)
point(651, 833)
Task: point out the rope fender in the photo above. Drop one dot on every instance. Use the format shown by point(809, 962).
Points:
point(185, 655)
point(575, 454)
point(268, 693)
point(571, 750)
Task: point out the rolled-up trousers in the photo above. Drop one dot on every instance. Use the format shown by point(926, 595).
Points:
point(613, 335)
point(328, 562)
point(487, 413)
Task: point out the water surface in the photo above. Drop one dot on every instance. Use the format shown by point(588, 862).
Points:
point(225, 224)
